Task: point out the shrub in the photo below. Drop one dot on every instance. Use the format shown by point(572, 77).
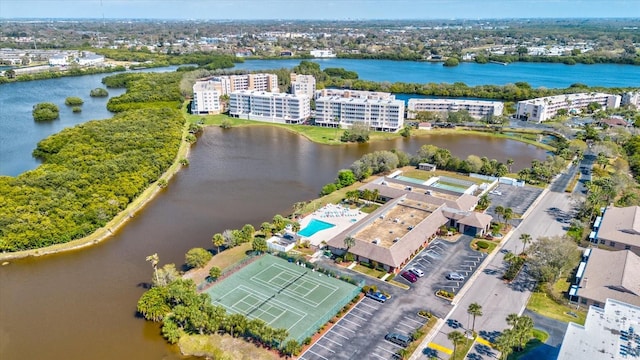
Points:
point(45, 112)
point(73, 101)
point(76, 109)
point(226, 124)
point(349, 257)
point(482, 245)
point(307, 340)
point(99, 92)
point(338, 259)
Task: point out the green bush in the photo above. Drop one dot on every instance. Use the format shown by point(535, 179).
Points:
point(76, 109)
point(349, 257)
point(482, 245)
point(45, 112)
point(73, 101)
point(99, 92)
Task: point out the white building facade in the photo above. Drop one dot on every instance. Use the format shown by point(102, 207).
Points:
point(227, 84)
point(631, 98)
point(303, 84)
point(343, 108)
point(326, 53)
point(270, 107)
point(206, 98)
point(476, 108)
point(542, 109)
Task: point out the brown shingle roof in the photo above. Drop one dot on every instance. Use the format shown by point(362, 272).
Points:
point(611, 274)
point(621, 225)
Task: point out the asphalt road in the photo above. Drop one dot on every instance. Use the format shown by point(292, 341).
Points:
point(497, 298)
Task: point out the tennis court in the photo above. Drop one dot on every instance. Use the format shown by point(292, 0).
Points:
point(283, 294)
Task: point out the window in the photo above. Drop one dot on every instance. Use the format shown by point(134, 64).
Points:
point(602, 242)
point(612, 243)
point(583, 300)
point(627, 247)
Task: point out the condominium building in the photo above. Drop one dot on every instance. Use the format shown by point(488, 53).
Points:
point(303, 84)
point(343, 108)
point(631, 98)
point(206, 98)
point(476, 108)
point(271, 107)
point(542, 109)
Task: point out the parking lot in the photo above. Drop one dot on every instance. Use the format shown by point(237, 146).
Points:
point(337, 343)
point(360, 334)
point(519, 199)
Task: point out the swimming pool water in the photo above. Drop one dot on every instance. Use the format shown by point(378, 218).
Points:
point(313, 227)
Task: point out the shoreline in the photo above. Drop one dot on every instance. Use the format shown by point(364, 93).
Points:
point(119, 220)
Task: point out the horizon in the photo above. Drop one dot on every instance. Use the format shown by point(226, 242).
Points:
point(317, 10)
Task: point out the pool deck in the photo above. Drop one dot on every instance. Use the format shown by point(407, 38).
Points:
point(332, 214)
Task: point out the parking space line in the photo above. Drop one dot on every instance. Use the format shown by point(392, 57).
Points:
point(333, 332)
point(335, 342)
point(392, 344)
point(346, 328)
point(405, 325)
point(359, 317)
point(355, 323)
point(365, 304)
point(315, 353)
point(415, 321)
point(322, 346)
point(378, 356)
point(385, 350)
point(366, 312)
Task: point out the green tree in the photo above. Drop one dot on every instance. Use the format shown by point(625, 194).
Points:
point(525, 238)
point(474, 310)
point(507, 214)
point(291, 348)
point(266, 228)
point(154, 259)
point(406, 131)
point(259, 245)
point(549, 257)
point(197, 257)
point(215, 272)
point(345, 178)
point(602, 160)
point(217, 240)
point(451, 62)
point(166, 275)
point(484, 202)
point(153, 304)
point(248, 232)
point(279, 223)
point(505, 343)
point(457, 338)
point(349, 242)
point(73, 101)
point(45, 112)
point(353, 196)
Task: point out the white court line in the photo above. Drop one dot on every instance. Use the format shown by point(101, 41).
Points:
point(322, 346)
point(315, 353)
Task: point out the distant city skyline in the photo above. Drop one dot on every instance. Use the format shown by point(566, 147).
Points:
point(317, 9)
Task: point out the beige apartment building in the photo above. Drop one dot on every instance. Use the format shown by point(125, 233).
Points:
point(476, 108)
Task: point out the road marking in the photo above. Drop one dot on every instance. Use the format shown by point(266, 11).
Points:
point(359, 317)
point(366, 312)
point(483, 341)
point(365, 304)
point(337, 333)
point(403, 324)
point(416, 321)
point(346, 328)
point(335, 342)
point(322, 346)
point(315, 353)
point(441, 348)
point(378, 356)
point(355, 323)
point(383, 349)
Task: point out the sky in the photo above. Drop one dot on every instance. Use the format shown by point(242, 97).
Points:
point(318, 9)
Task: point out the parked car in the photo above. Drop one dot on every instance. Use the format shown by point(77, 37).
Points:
point(402, 340)
point(417, 272)
point(377, 296)
point(455, 276)
point(409, 276)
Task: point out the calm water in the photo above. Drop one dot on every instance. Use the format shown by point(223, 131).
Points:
point(82, 304)
point(19, 133)
point(536, 74)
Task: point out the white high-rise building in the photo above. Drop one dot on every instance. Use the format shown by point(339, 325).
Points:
point(476, 108)
point(542, 109)
point(343, 108)
point(206, 98)
point(271, 107)
point(631, 98)
point(303, 84)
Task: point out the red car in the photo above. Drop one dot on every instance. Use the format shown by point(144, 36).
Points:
point(409, 276)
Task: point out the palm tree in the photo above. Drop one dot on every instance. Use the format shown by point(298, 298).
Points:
point(525, 238)
point(505, 343)
point(507, 214)
point(456, 337)
point(499, 210)
point(509, 163)
point(602, 160)
point(349, 242)
point(474, 310)
point(484, 201)
point(154, 260)
point(217, 240)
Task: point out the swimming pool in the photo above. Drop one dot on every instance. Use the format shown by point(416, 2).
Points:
point(313, 227)
point(410, 179)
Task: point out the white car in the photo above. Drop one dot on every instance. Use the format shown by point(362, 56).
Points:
point(495, 192)
point(417, 272)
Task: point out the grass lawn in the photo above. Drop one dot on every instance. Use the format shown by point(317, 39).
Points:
point(462, 350)
point(368, 271)
point(424, 330)
point(223, 347)
point(545, 306)
point(489, 250)
point(539, 337)
point(231, 256)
